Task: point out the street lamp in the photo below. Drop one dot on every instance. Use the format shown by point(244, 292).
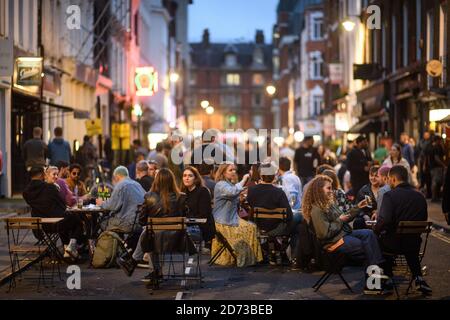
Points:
point(174, 77)
point(137, 111)
point(271, 90)
point(209, 110)
point(348, 25)
point(204, 104)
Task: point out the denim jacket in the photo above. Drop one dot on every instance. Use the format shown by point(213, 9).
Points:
point(226, 201)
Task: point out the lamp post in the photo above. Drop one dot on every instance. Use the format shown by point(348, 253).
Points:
point(137, 111)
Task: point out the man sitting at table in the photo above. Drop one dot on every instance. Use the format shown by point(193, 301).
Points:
point(123, 204)
point(46, 202)
point(142, 177)
point(266, 195)
point(402, 203)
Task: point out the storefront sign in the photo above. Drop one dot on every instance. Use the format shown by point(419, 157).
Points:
point(336, 72)
point(28, 74)
point(310, 127)
point(342, 122)
point(146, 80)
point(6, 58)
point(434, 68)
point(94, 127)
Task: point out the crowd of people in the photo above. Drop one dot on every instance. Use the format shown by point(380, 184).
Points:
point(351, 206)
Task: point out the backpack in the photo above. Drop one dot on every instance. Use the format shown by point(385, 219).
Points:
point(109, 246)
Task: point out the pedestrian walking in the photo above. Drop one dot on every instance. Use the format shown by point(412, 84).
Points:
point(407, 149)
point(306, 160)
point(59, 149)
point(35, 150)
point(437, 167)
point(358, 163)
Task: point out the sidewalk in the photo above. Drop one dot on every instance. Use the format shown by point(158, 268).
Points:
point(13, 206)
point(436, 216)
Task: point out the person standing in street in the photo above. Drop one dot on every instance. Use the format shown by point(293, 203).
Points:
point(358, 163)
point(58, 149)
point(424, 164)
point(35, 150)
point(142, 176)
point(306, 160)
point(407, 149)
point(380, 153)
point(437, 167)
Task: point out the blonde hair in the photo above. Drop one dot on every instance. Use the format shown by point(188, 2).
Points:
point(220, 174)
point(314, 196)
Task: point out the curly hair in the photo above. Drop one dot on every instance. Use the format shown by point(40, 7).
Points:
point(314, 196)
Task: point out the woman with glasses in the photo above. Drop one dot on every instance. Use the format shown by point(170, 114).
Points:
point(74, 182)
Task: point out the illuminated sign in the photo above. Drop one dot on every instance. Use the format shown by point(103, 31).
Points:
point(28, 74)
point(146, 81)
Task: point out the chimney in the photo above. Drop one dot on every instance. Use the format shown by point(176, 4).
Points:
point(259, 38)
point(205, 38)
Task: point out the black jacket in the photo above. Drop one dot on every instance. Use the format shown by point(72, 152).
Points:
point(404, 203)
point(446, 196)
point(356, 163)
point(152, 207)
point(269, 197)
point(366, 191)
point(146, 182)
point(44, 200)
point(198, 205)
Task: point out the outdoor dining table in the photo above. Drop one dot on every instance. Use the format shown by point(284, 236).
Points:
point(90, 216)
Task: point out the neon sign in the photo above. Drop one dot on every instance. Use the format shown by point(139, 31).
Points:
point(146, 80)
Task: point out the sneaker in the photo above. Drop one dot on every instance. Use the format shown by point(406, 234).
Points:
point(127, 265)
point(72, 251)
point(422, 286)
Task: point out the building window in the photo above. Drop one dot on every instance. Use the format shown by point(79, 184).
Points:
point(258, 56)
point(258, 79)
point(316, 65)
point(418, 28)
point(258, 121)
point(230, 60)
point(230, 100)
point(317, 27)
point(257, 99)
point(317, 104)
point(394, 43)
point(233, 79)
point(405, 35)
point(443, 41)
point(192, 78)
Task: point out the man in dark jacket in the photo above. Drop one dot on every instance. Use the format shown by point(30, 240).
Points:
point(59, 149)
point(35, 150)
point(358, 163)
point(142, 176)
point(306, 160)
point(45, 202)
point(402, 203)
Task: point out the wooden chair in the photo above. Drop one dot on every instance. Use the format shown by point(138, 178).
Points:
point(19, 252)
point(410, 228)
point(224, 245)
point(261, 215)
point(178, 225)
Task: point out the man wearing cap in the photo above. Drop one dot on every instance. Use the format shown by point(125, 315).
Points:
point(358, 163)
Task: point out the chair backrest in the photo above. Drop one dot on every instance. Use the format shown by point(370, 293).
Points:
point(414, 227)
point(263, 213)
point(167, 224)
point(24, 223)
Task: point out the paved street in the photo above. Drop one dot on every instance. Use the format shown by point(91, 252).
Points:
point(261, 282)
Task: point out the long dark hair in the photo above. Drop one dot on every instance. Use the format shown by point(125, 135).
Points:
point(165, 185)
point(198, 181)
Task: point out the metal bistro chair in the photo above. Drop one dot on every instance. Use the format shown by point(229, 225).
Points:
point(177, 225)
point(19, 252)
point(409, 228)
point(262, 214)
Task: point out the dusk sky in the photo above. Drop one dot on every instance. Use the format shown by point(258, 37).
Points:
point(231, 20)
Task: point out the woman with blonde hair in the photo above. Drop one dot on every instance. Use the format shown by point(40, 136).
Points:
point(239, 233)
point(331, 226)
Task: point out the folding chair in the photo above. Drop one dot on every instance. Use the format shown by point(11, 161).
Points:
point(333, 263)
point(410, 228)
point(17, 231)
point(178, 225)
point(224, 245)
point(260, 215)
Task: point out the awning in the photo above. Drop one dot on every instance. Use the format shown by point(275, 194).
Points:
point(366, 126)
point(446, 119)
point(78, 114)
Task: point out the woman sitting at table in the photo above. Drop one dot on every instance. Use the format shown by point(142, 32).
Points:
point(46, 202)
point(163, 200)
point(240, 234)
point(52, 177)
point(198, 205)
point(331, 226)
